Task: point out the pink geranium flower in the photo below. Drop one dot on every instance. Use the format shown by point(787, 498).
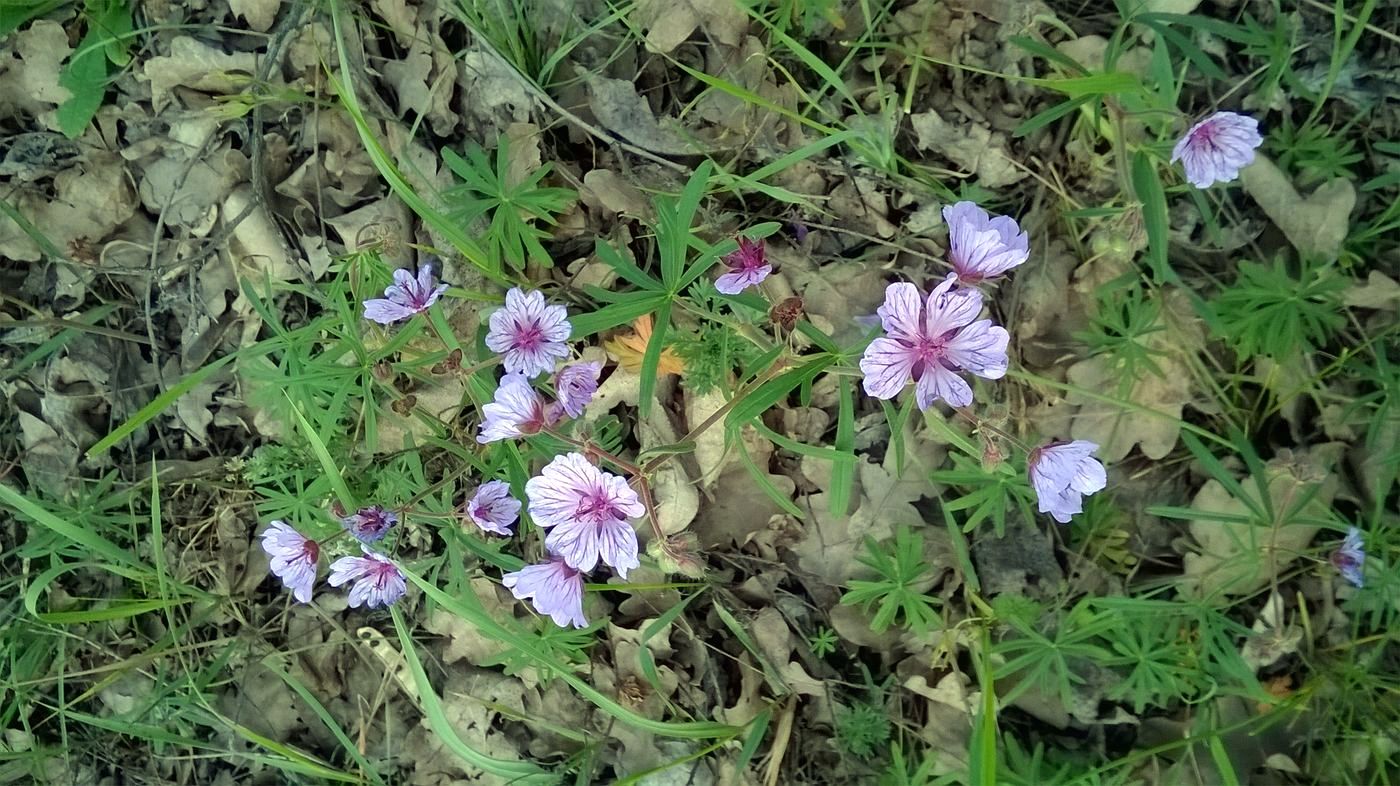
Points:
point(518, 410)
point(555, 589)
point(748, 266)
point(529, 333)
point(585, 510)
point(575, 385)
point(292, 558)
point(405, 297)
point(1063, 473)
point(980, 246)
point(377, 581)
point(929, 341)
point(1217, 148)
point(492, 508)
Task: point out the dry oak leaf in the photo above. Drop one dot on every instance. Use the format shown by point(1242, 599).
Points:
point(630, 348)
point(1316, 225)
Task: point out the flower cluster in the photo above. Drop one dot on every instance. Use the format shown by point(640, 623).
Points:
point(376, 581)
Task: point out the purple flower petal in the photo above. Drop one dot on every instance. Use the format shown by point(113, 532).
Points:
point(377, 581)
point(1350, 558)
point(748, 267)
point(529, 333)
point(1062, 473)
point(492, 508)
point(575, 385)
point(1217, 148)
point(554, 588)
point(405, 297)
point(516, 411)
point(292, 558)
point(587, 510)
point(368, 525)
point(980, 246)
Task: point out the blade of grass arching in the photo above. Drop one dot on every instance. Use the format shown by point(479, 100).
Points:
point(328, 720)
point(758, 729)
point(623, 266)
point(57, 341)
point(158, 405)
point(388, 170)
point(843, 465)
point(1041, 119)
point(81, 534)
point(961, 551)
point(772, 391)
point(323, 457)
point(809, 59)
point(750, 97)
point(113, 610)
point(620, 313)
point(651, 360)
point(41, 240)
point(518, 770)
point(843, 471)
point(1148, 187)
point(982, 756)
point(470, 610)
point(1225, 477)
point(1049, 53)
point(783, 162)
point(1218, 754)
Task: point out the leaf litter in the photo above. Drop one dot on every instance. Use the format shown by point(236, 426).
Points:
point(208, 244)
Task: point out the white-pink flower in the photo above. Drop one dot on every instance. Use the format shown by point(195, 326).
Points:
point(555, 589)
point(930, 341)
point(518, 410)
point(292, 558)
point(529, 333)
point(575, 385)
point(1217, 148)
point(405, 297)
point(1062, 474)
point(377, 581)
point(748, 266)
point(980, 246)
point(585, 510)
point(492, 508)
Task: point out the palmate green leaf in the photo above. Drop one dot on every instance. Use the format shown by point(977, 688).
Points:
point(487, 189)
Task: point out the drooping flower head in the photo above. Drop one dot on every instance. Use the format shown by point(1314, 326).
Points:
point(405, 297)
point(492, 508)
point(575, 385)
point(518, 410)
point(1063, 473)
point(748, 266)
point(292, 558)
point(377, 581)
point(980, 246)
point(1350, 557)
point(370, 524)
point(585, 510)
point(554, 588)
point(1217, 148)
point(930, 341)
point(529, 333)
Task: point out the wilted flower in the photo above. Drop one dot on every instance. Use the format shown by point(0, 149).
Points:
point(786, 313)
point(518, 410)
point(292, 558)
point(1215, 149)
point(1350, 557)
point(554, 588)
point(529, 333)
point(370, 524)
point(748, 267)
point(575, 385)
point(630, 348)
point(492, 508)
point(1062, 473)
point(930, 341)
point(378, 582)
point(981, 247)
point(585, 510)
point(406, 297)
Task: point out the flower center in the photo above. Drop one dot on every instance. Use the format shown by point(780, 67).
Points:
point(930, 352)
point(595, 508)
point(1204, 136)
point(529, 336)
